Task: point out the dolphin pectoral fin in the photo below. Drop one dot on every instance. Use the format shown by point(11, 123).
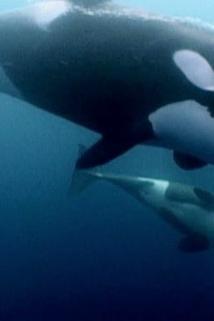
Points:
point(188, 162)
point(194, 243)
point(105, 150)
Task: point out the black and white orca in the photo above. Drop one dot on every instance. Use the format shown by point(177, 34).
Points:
point(133, 77)
point(188, 209)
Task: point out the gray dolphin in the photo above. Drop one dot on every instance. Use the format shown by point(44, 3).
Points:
point(133, 77)
point(188, 209)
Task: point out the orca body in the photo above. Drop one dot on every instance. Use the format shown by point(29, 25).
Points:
point(132, 77)
point(188, 209)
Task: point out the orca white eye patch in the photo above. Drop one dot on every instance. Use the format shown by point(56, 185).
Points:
point(196, 68)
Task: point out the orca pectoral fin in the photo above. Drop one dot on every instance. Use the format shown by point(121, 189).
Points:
point(188, 162)
point(194, 243)
point(105, 150)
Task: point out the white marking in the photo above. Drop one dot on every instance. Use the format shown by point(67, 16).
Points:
point(155, 194)
point(43, 13)
point(196, 69)
point(194, 217)
point(161, 186)
point(187, 127)
point(47, 12)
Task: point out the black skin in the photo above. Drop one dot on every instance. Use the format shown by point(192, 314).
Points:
point(188, 161)
point(194, 243)
point(104, 72)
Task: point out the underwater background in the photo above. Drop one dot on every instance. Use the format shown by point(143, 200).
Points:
point(101, 255)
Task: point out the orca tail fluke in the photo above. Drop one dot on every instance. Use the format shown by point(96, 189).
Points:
point(82, 179)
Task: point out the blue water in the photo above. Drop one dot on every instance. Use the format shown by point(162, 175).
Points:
point(101, 256)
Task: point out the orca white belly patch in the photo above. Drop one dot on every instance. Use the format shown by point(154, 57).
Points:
point(187, 127)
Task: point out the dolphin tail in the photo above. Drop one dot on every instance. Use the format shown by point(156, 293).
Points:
point(82, 179)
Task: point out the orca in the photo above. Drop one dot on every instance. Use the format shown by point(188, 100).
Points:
point(133, 77)
point(188, 209)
